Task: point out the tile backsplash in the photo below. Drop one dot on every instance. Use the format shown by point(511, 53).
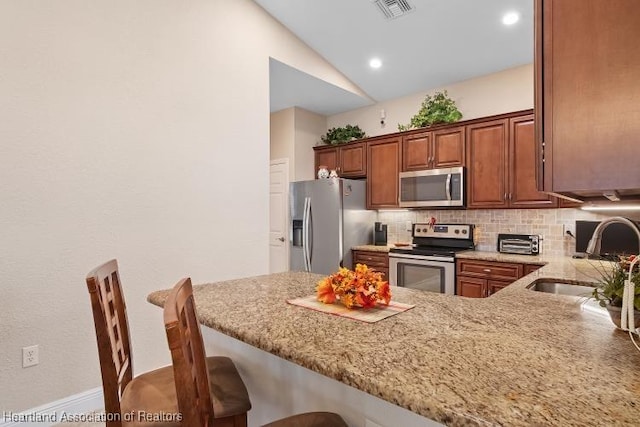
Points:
point(549, 223)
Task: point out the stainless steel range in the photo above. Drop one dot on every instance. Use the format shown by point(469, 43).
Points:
point(429, 263)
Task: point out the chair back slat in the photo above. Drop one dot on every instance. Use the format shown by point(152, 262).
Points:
point(112, 334)
point(188, 354)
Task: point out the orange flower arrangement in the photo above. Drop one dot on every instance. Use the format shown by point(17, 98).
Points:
point(360, 288)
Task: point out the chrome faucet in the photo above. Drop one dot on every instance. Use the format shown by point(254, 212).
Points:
point(596, 239)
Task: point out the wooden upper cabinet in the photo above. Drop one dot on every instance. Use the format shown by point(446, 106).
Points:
point(441, 148)
point(448, 148)
point(353, 160)
point(349, 160)
point(416, 151)
point(586, 66)
point(487, 157)
point(383, 169)
point(502, 165)
point(327, 156)
point(523, 192)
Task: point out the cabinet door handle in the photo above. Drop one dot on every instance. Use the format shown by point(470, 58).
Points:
point(509, 196)
point(487, 270)
point(505, 196)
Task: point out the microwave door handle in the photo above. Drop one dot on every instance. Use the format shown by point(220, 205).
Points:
point(448, 187)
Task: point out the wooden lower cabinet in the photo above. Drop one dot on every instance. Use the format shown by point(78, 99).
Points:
point(471, 287)
point(480, 279)
point(530, 268)
point(378, 261)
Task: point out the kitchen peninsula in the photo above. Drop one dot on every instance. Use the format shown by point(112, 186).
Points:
point(517, 358)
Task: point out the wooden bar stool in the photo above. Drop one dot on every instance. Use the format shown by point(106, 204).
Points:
point(149, 399)
point(197, 404)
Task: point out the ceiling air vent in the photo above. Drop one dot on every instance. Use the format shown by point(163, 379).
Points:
point(392, 9)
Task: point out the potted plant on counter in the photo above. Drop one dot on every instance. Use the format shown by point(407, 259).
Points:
point(610, 288)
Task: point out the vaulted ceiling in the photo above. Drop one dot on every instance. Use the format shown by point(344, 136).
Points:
point(436, 43)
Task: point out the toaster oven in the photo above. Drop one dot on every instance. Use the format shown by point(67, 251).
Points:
point(523, 244)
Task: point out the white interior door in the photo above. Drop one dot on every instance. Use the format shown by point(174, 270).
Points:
point(278, 216)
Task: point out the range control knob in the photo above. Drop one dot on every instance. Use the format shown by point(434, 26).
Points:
point(457, 231)
point(464, 231)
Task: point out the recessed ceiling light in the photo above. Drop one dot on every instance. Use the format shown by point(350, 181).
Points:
point(510, 18)
point(375, 63)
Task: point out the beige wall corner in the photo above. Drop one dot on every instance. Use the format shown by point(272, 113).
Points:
point(501, 92)
point(309, 127)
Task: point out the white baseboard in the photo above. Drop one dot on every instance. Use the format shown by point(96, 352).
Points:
point(49, 414)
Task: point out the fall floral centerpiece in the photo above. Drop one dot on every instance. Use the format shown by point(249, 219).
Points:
point(361, 287)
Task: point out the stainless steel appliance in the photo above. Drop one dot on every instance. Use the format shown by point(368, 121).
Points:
point(429, 264)
point(432, 188)
point(523, 244)
point(328, 217)
point(380, 234)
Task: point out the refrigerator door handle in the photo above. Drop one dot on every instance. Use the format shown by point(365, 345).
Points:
point(305, 234)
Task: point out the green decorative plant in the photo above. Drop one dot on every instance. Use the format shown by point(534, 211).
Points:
point(435, 109)
point(340, 135)
point(610, 287)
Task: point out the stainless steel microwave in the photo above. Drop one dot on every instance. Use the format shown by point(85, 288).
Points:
point(432, 188)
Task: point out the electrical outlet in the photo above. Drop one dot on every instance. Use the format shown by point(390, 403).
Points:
point(408, 226)
point(30, 356)
point(567, 231)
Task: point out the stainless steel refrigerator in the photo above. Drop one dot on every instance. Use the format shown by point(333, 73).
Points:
point(328, 217)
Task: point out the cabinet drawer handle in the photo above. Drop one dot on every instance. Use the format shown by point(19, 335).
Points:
point(487, 270)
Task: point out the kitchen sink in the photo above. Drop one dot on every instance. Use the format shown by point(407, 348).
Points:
point(554, 287)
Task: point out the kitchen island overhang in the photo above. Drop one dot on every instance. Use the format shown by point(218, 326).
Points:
point(516, 358)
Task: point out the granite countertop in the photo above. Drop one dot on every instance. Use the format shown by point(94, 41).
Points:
point(517, 358)
point(501, 257)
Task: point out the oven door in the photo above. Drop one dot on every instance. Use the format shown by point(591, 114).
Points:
point(422, 272)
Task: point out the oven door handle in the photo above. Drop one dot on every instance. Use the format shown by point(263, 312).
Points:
point(448, 186)
point(421, 258)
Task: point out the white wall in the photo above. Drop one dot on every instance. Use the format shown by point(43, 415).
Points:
point(309, 126)
point(128, 129)
point(282, 137)
point(294, 132)
point(501, 92)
